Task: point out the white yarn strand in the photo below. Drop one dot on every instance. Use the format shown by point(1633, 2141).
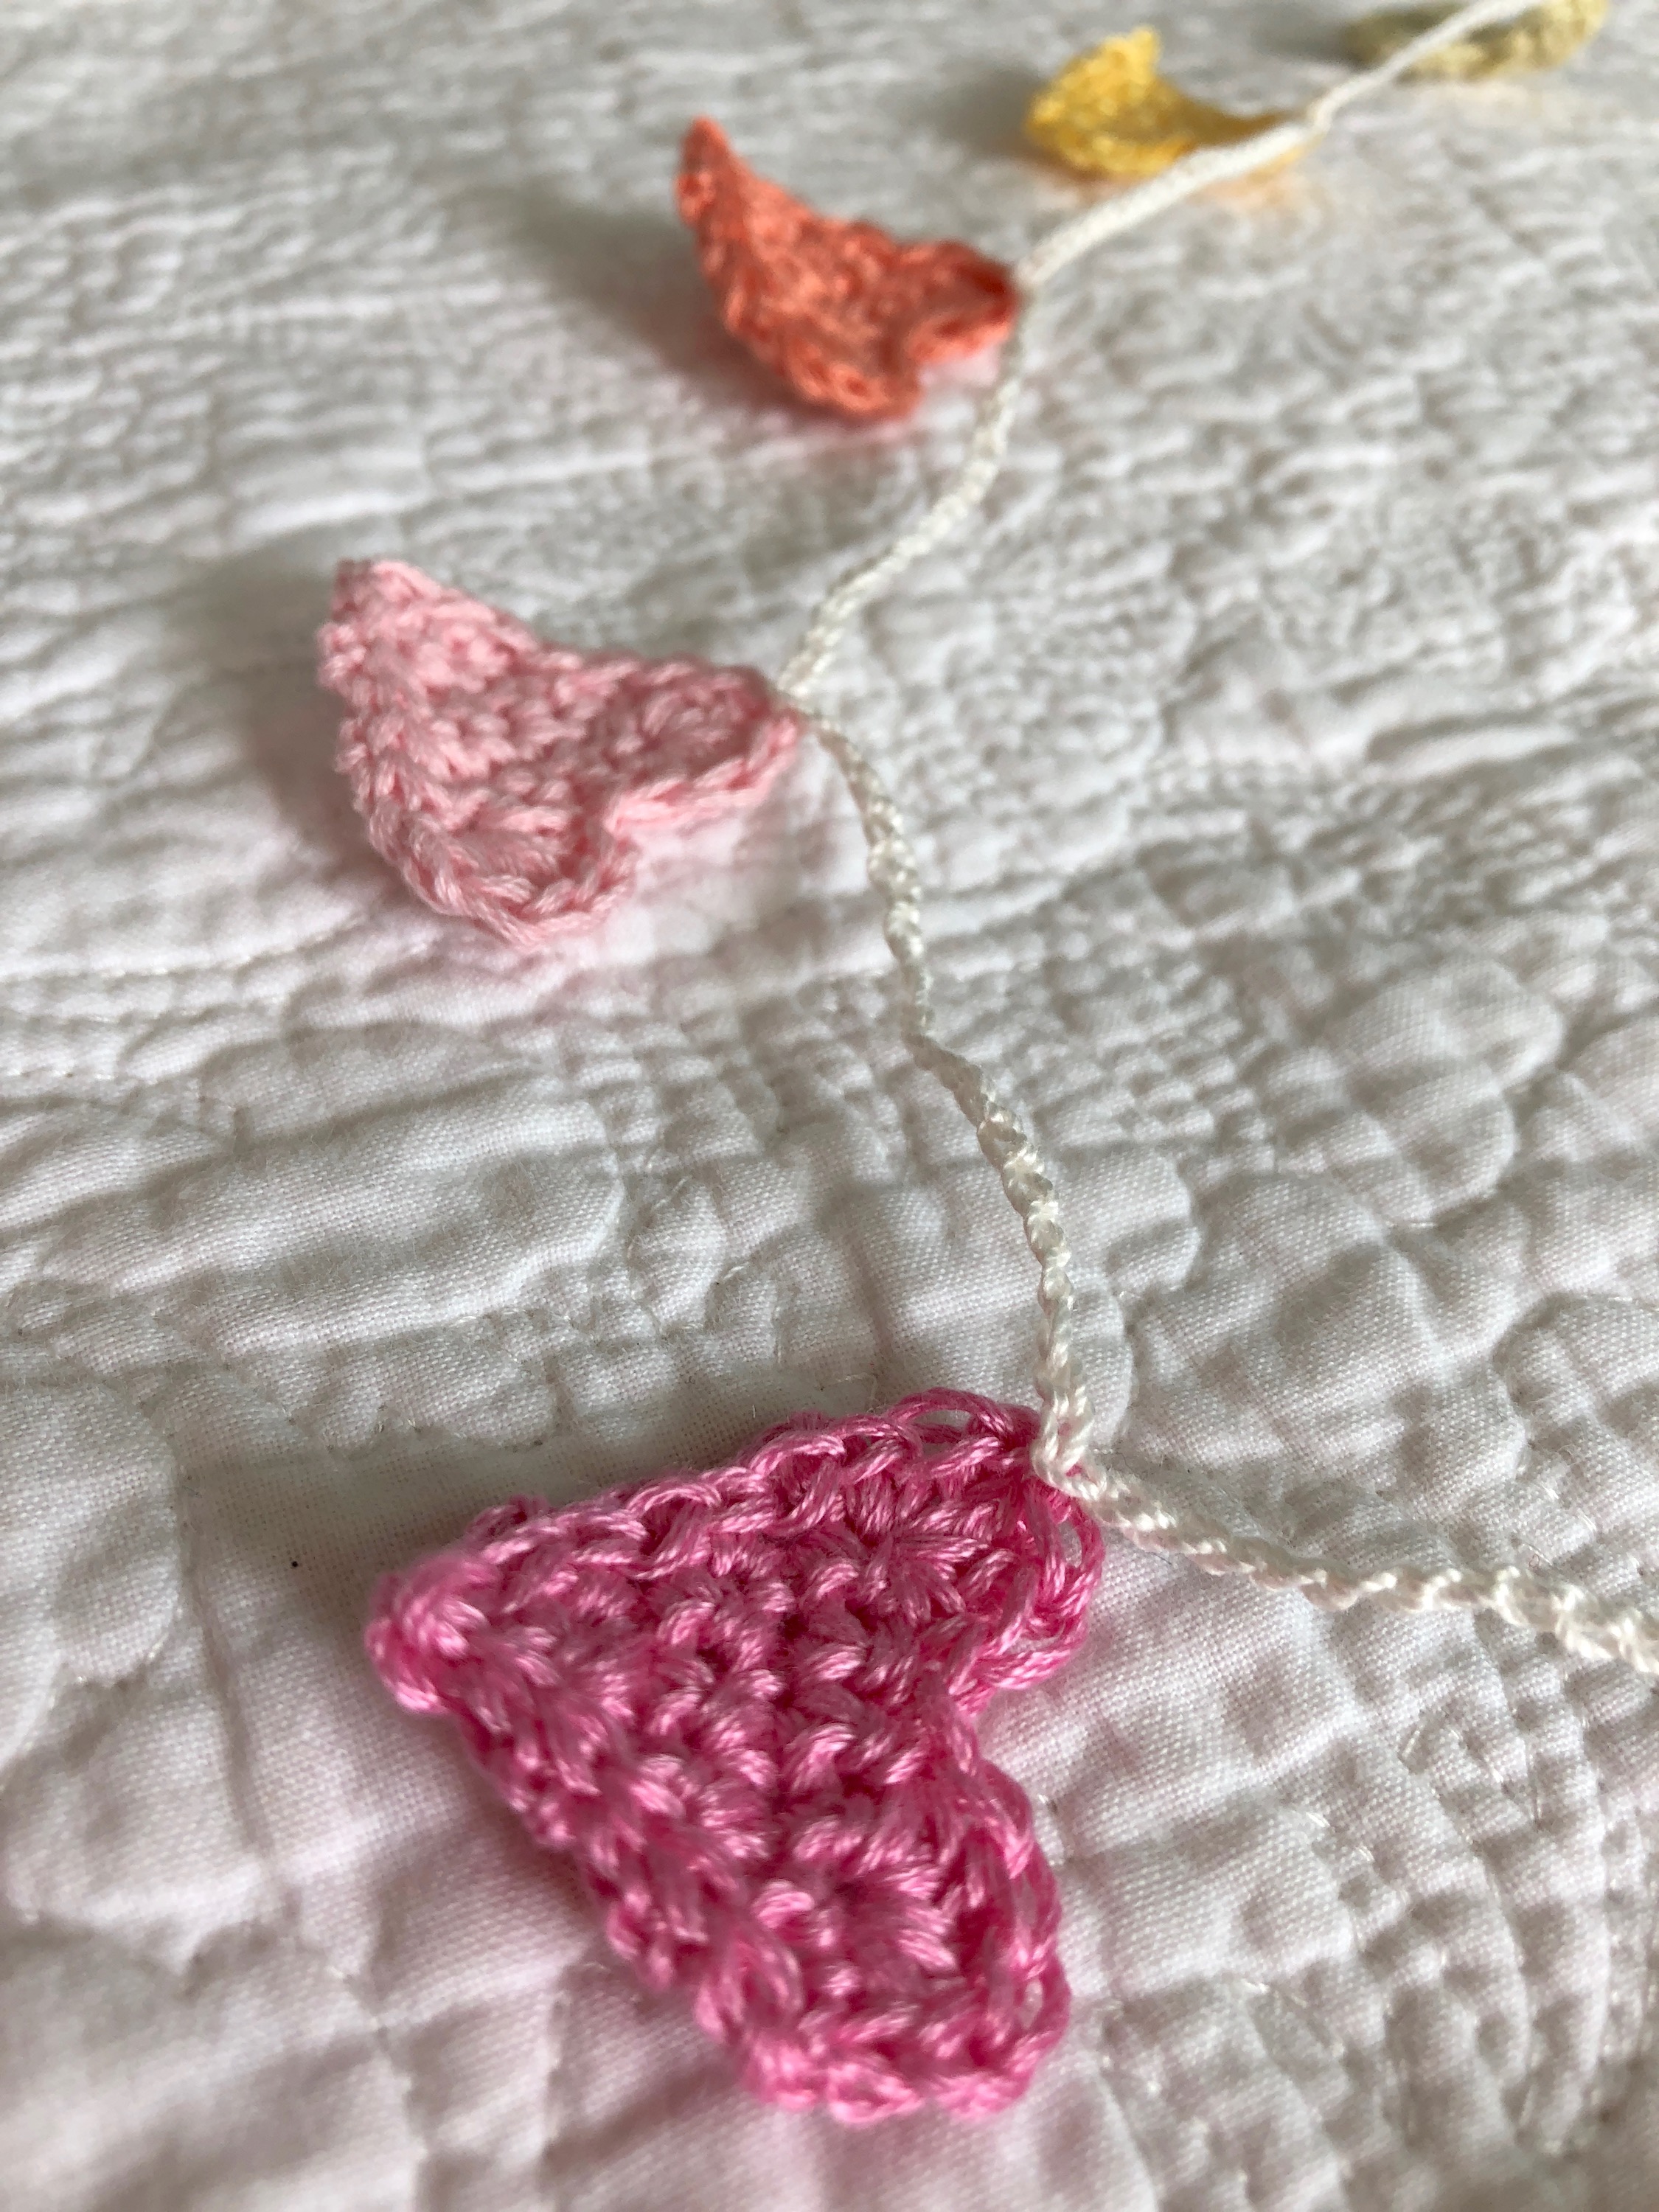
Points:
point(1062, 1454)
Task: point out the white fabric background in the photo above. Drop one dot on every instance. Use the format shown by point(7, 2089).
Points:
point(1281, 752)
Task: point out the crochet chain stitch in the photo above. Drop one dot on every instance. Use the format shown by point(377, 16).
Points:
point(744, 1702)
point(1064, 1454)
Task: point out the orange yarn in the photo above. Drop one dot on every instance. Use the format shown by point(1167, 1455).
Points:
point(845, 314)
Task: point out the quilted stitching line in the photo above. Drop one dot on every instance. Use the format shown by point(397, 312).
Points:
point(167, 971)
point(188, 1596)
point(1352, 2162)
point(1618, 2072)
point(1631, 1911)
point(1345, 1486)
point(109, 1688)
point(1538, 1454)
point(1518, 2094)
point(1225, 2161)
point(1328, 1846)
point(1549, 2156)
point(284, 1897)
point(1222, 2163)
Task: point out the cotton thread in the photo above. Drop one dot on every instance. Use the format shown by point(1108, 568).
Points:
point(1062, 1453)
point(744, 1701)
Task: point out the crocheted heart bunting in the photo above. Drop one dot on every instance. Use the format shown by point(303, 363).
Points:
point(845, 314)
point(744, 1702)
point(1109, 113)
point(510, 781)
point(1541, 38)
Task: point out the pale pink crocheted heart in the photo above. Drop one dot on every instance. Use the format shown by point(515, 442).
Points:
point(510, 780)
point(744, 1702)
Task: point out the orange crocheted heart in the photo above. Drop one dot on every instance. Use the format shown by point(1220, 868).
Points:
point(845, 314)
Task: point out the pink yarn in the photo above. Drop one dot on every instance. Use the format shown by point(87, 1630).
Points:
point(507, 780)
point(744, 1701)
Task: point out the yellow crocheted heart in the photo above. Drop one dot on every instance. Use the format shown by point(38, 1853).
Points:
point(1542, 39)
point(1110, 114)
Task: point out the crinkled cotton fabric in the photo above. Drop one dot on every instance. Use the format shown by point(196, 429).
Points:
point(1280, 748)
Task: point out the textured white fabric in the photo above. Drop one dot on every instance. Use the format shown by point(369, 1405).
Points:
point(1279, 749)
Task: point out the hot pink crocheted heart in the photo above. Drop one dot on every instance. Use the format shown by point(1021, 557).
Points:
point(744, 1701)
point(510, 780)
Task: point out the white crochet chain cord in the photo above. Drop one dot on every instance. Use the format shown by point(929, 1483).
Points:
point(1062, 1454)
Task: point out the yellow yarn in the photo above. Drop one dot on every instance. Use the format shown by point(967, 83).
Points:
point(1110, 114)
point(1541, 38)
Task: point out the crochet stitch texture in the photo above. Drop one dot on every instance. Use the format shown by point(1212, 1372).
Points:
point(1109, 113)
point(510, 781)
point(744, 1701)
point(1541, 38)
point(845, 314)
